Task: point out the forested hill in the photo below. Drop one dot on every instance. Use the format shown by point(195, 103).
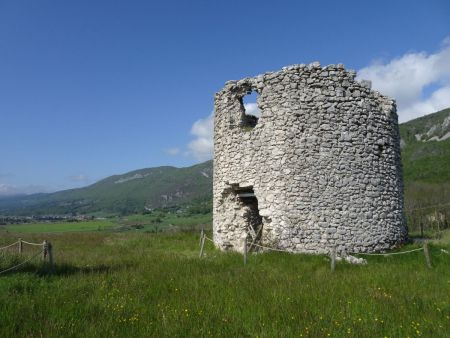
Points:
point(426, 148)
point(129, 193)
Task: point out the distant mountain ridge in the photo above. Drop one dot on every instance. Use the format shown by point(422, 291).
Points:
point(133, 192)
point(425, 145)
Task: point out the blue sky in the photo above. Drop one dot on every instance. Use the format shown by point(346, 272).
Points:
point(94, 88)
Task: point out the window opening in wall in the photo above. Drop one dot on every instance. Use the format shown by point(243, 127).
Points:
point(251, 214)
point(250, 110)
point(380, 150)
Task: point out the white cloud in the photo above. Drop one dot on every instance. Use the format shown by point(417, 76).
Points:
point(79, 178)
point(446, 41)
point(11, 190)
point(405, 79)
point(438, 100)
point(7, 189)
point(202, 146)
point(172, 151)
point(252, 109)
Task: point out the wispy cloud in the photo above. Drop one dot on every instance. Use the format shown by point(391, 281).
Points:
point(409, 78)
point(80, 178)
point(202, 146)
point(173, 151)
point(252, 109)
point(11, 190)
point(6, 176)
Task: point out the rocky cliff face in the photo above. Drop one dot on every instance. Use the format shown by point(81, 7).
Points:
point(433, 127)
point(320, 168)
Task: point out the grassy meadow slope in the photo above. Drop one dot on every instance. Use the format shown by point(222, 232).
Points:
point(154, 285)
point(158, 221)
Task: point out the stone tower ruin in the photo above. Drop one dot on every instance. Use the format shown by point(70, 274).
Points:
point(319, 168)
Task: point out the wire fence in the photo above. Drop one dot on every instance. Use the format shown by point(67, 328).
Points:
point(386, 254)
point(9, 246)
point(350, 253)
point(21, 264)
point(332, 252)
point(36, 244)
point(429, 207)
point(46, 253)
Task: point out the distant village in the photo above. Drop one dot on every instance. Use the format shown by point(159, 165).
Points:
point(4, 220)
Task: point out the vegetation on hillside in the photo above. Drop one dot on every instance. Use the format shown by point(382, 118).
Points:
point(424, 160)
point(426, 170)
point(126, 194)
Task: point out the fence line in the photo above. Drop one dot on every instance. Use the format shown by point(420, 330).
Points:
point(46, 251)
point(349, 253)
point(272, 249)
point(429, 207)
point(8, 246)
point(21, 241)
point(385, 254)
point(332, 252)
point(37, 244)
point(209, 239)
point(18, 265)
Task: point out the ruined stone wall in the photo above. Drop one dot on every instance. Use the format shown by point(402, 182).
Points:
point(323, 161)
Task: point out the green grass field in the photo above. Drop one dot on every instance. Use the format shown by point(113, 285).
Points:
point(154, 285)
point(159, 221)
point(156, 222)
point(59, 227)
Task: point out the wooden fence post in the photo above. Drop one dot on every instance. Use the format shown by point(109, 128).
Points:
point(50, 255)
point(202, 233)
point(333, 259)
point(426, 252)
point(20, 246)
point(245, 250)
point(44, 250)
point(202, 246)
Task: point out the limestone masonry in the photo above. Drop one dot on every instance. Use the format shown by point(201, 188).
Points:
point(320, 168)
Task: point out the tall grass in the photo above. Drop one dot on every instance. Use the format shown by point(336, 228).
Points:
point(154, 285)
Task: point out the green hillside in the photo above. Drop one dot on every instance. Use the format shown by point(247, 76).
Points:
point(426, 159)
point(129, 193)
point(426, 168)
point(426, 148)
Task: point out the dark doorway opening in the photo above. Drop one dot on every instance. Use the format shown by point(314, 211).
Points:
point(253, 219)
